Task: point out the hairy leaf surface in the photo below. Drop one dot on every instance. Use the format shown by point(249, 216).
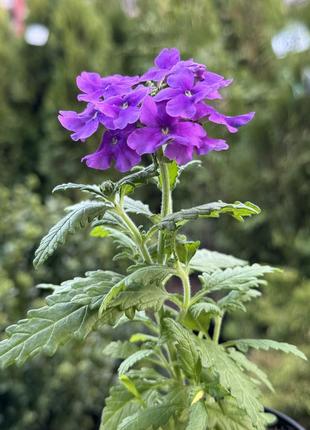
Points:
point(78, 217)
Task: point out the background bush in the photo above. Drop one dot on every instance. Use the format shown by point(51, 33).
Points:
point(268, 163)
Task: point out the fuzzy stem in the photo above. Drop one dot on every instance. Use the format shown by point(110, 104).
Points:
point(217, 328)
point(183, 275)
point(166, 204)
point(136, 235)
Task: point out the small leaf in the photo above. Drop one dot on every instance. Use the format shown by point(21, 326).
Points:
point(207, 308)
point(130, 386)
point(136, 207)
point(188, 355)
point(149, 275)
point(142, 337)
point(92, 189)
point(99, 231)
point(186, 250)
point(235, 278)
point(198, 417)
point(198, 396)
point(119, 349)
point(265, 344)
point(209, 261)
point(134, 359)
point(237, 210)
point(77, 218)
point(157, 415)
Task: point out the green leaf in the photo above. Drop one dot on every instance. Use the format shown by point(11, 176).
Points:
point(142, 337)
point(235, 278)
point(78, 217)
point(265, 344)
point(130, 386)
point(136, 207)
point(208, 261)
point(128, 183)
point(120, 404)
point(235, 299)
point(186, 250)
point(188, 355)
point(134, 359)
point(157, 415)
point(198, 417)
point(208, 308)
point(99, 231)
point(237, 210)
point(231, 378)
point(119, 349)
point(149, 275)
point(71, 311)
point(138, 297)
point(92, 189)
point(249, 366)
point(226, 416)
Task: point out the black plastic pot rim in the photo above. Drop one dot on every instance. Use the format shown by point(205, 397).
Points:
point(284, 419)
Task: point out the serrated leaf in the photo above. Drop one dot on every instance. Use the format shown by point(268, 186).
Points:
point(134, 359)
point(265, 344)
point(157, 415)
point(119, 349)
point(235, 299)
point(121, 403)
point(209, 261)
point(92, 189)
point(233, 379)
point(136, 207)
point(71, 311)
point(249, 366)
point(210, 309)
point(237, 210)
point(140, 298)
point(235, 278)
point(188, 355)
point(136, 179)
point(149, 275)
point(77, 218)
point(198, 417)
point(186, 250)
point(226, 417)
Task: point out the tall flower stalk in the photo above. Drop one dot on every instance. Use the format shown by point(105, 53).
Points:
point(176, 372)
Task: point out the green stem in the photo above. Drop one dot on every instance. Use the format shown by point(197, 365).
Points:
point(217, 328)
point(135, 233)
point(166, 204)
point(183, 275)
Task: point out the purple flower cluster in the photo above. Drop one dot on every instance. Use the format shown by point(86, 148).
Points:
point(165, 107)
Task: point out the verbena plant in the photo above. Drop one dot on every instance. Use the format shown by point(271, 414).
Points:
point(175, 373)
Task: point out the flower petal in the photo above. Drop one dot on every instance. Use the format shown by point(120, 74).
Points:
point(181, 105)
point(184, 80)
point(232, 123)
point(208, 144)
point(149, 114)
point(167, 58)
point(179, 150)
point(166, 94)
point(145, 140)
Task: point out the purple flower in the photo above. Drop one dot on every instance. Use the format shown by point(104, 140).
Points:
point(94, 87)
point(183, 94)
point(208, 144)
point(83, 124)
point(114, 147)
point(124, 109)
point(164, 62)
point(232, 123)
point(181, 137)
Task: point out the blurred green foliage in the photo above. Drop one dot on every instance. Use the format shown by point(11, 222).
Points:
point(268, 163)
